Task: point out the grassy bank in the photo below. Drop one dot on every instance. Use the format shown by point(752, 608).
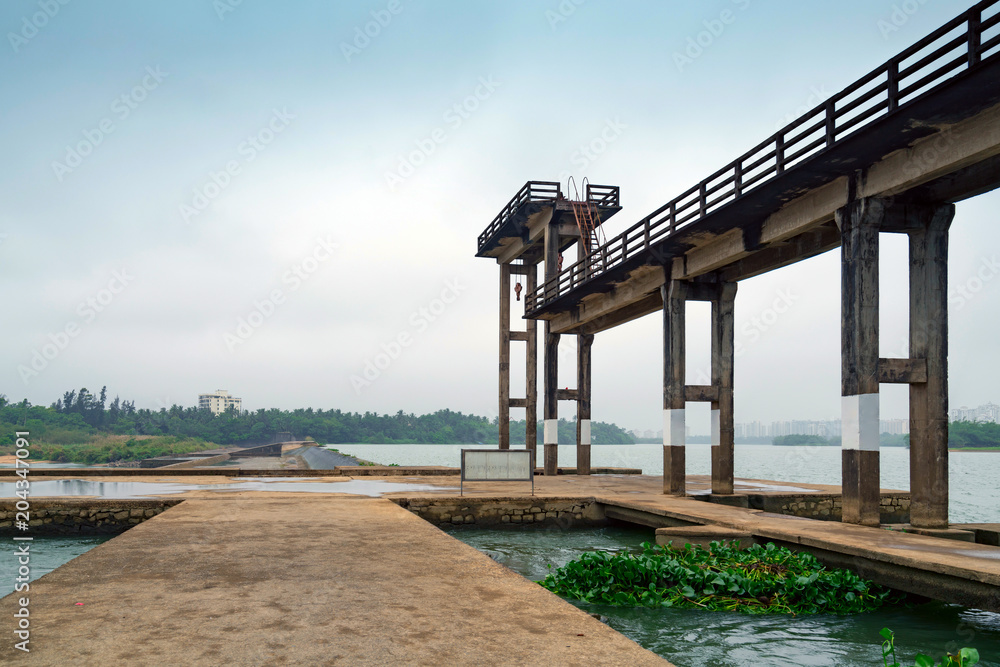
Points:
point(104, 448)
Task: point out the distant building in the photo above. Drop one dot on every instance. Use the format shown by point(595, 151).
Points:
point(989, 412)
point(219, 401)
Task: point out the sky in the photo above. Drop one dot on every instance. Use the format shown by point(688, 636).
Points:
point(272, 198)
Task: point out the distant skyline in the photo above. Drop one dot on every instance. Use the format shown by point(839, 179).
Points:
point(283, 200)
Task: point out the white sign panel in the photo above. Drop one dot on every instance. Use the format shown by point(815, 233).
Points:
point(484, 465)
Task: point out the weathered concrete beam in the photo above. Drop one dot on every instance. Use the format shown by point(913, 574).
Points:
point(701, 393)
point(902, 371)
point(639, 285)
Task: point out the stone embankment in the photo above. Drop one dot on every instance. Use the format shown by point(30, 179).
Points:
point(491, 512)
point(84, 516)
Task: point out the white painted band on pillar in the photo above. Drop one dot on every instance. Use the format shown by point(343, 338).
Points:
point(859, 422)
point(673, 427)
point(551, 435)
point(584, 431)
point(716, 427)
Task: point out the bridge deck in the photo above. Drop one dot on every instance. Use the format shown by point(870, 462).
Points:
point(901, 127)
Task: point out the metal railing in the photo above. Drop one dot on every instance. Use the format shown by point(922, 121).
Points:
point(533, 191)
point(959, 45)
point(603, 196)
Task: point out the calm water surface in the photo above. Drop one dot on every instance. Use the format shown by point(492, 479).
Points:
point(974, 476)
point(47, 553)
point(693, 638)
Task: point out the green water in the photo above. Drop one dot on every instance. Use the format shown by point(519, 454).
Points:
point(46, 554)
point(719, 639)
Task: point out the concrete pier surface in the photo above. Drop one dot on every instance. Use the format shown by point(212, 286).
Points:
point(301, 580)
point(256, 577)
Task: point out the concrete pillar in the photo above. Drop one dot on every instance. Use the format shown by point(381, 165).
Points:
point(531, 363)
point(929, 341)
point(859, 224)
point(583, 384)
point(504, 408)
point(551, 428)
point(723, 353)
point(673, 292)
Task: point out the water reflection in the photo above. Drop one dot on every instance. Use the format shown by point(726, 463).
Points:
point(123, 490)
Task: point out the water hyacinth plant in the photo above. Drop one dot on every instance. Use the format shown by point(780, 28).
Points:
point(758, 580)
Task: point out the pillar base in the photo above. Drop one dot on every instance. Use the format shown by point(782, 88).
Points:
point(583, 459)
point(674, 482)
point(861, 488)
point(931, 515)
point(551, 460)
point(722, 470)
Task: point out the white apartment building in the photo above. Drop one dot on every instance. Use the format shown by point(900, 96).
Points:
point(219, 401)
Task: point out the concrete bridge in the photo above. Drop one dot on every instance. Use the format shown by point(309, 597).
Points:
point(890, 153)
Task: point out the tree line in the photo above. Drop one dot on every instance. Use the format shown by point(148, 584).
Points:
point(80, 416)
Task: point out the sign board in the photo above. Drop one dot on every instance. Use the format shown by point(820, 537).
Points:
point(498, 465)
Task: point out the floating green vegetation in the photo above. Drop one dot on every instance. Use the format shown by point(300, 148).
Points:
point(967, 657)
point(758, 580)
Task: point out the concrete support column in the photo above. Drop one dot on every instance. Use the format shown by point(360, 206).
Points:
point(859, 224)
point(673, 292)
point(551, 428)
point(583, 347)
point(929, 341)
point(722, 377)
point(531, 363)
point(504, 408)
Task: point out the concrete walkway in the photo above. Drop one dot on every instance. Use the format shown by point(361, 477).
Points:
point(254, 579)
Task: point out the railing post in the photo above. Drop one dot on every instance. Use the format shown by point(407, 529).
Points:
point(779, 153)
point(673, 217)
point(701, 200)
point(831, 122)
point(645, 232)
point(738, 178)
point(975, 36)
point(893, 84)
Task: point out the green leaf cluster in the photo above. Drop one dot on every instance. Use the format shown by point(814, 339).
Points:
point(966, 657)
point(757, 580)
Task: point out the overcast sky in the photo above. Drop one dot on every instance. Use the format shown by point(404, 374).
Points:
point(258, 196)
